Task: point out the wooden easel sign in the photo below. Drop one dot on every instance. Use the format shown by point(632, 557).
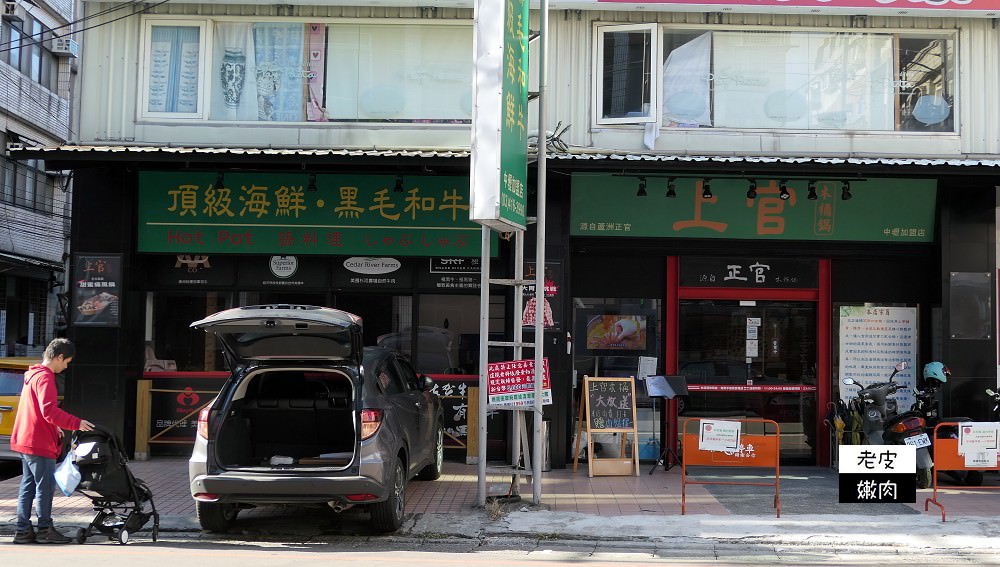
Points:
point(608, 406)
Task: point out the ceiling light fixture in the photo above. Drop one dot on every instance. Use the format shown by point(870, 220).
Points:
point(398, 188)
point(642, 188)
point(752, 190)
point(706, 188)
point(220, 182)
point(312, 182)
point(812, 190)
point(845, 191)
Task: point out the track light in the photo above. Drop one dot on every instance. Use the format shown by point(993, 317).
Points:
point(812, 190)
point(398, 188)
point(671, 187)
point(845, 191)
point(642, 188)
point(783, 193)
point(312, 182)
point(706, 188)
point(752, 189)
point(220, 182)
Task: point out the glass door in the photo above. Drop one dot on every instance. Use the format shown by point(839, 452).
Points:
point(752, 359)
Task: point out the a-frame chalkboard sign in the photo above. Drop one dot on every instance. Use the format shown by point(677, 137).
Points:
point(608, 406)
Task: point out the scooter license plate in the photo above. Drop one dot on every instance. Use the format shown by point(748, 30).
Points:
point(918, 441)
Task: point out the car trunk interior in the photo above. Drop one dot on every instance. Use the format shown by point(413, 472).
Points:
point(282, 419)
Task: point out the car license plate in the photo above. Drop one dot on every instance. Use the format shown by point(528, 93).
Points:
point(918, 441)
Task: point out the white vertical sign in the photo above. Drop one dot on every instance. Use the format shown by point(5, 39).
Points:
point(872, 341)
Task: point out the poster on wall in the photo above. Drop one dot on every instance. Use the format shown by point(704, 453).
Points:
point(550, 308)
point(96, 290)
point(872, 341)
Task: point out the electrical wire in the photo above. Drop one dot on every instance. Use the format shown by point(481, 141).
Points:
point(74, 22)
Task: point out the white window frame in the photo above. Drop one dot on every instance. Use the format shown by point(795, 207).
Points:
point(653, 29)
point(204, 53)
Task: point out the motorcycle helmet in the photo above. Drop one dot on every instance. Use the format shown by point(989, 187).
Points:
point(936, 373)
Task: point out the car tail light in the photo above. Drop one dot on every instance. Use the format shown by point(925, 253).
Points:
point(203, 423)
point(360, 497)
point(908, 424)
point(371, 419)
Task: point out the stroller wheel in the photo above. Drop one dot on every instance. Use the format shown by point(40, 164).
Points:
point(81, 536)
point(123, 536)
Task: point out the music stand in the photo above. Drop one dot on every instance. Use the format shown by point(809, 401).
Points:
point(668, 388)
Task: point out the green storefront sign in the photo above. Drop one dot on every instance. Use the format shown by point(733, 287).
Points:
point(299, 213)
point(879, 210)
point(514, 130)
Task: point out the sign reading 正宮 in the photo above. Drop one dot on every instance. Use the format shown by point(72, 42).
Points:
point(499, 181)
point(185, 212)
point(607, 205)
point(877, 473)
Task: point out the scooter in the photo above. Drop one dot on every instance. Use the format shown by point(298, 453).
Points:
point(883, 425)
point(927, 406)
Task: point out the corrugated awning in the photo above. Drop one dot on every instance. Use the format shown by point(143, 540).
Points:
point(28, 262)
point(89, 153)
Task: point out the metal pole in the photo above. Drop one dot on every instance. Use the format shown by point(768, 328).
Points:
point(484, 337)
point(536, 472)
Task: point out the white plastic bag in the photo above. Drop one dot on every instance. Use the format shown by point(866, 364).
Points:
point(67, 475)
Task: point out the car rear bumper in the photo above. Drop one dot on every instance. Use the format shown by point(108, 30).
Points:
point(5, 453)
point(269, 489)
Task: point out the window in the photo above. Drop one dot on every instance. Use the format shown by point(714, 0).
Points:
point(25, 184)
point(308, 72)
point(626, 93)
point(173, 70)
point(800, 80)
point(28, 51)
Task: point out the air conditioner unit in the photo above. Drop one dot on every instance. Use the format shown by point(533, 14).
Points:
point(65, 47)
point(14, 11)
point(14, 146)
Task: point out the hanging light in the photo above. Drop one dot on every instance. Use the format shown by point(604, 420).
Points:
point(752, 189)
point(671, 187)
point(642, 188)
point(398, 188)
point(312, 182)
point(812, 190)
point(706, 188)
point(783, 193)
point(845, 191)
point(220, 182)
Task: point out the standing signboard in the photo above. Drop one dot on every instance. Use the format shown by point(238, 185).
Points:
point(608, 406)
point(499, 180)
point(96, 289)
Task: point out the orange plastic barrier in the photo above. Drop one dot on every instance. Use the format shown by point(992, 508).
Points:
point(946, 458)
point(757, 450)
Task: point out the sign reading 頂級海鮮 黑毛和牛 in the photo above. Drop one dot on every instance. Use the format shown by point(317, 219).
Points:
point(877, 210)
point(300, 213)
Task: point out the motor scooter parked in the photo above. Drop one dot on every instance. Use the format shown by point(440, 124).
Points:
point(882, 424)
point(935, 376)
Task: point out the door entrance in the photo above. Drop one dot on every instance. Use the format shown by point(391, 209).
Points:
point(754, 359)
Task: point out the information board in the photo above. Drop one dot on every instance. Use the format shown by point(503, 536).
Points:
point(608, 406)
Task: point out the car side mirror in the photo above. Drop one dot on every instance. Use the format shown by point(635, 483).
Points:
point(426, 383)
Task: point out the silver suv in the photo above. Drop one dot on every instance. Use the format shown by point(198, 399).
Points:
point(309, 416)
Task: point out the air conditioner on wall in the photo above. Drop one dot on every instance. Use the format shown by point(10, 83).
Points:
point(14, 11)
point(65, 47)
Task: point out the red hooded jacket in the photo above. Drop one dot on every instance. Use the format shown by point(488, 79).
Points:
point(39, 418)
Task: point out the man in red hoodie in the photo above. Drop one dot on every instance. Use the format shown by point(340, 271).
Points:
point(37, 435)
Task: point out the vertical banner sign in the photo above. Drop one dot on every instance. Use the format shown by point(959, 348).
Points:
point(872, 341)
point(96, 289)
point(500, 115)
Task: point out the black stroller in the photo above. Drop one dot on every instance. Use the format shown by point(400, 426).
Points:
point(123, 502)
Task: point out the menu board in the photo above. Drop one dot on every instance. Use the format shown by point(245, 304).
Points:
point(610, 404)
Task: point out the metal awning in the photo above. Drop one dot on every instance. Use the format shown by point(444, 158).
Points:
point(584, 158)
point(28, 262)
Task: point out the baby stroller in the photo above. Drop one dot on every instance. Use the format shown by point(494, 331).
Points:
point(123, 503)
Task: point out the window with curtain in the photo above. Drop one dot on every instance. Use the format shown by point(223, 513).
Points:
point(625, 73)
point(173, 69)
point(799, 80)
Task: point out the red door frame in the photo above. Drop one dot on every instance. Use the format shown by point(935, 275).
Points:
point(820, 295)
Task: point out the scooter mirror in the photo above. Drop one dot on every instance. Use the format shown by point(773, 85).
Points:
point(849, 381)
point(901, 366)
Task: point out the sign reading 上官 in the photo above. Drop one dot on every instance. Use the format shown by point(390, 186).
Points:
point(877, 473)
point(607, 205)
point(289, 214)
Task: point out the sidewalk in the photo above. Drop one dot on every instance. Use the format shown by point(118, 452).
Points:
point(616, 508)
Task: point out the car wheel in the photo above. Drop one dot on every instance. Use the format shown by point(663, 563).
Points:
point(387, 515)
point(215, 516)
point(433, 470)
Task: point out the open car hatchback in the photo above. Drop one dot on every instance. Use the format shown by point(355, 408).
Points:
point(309, 416)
